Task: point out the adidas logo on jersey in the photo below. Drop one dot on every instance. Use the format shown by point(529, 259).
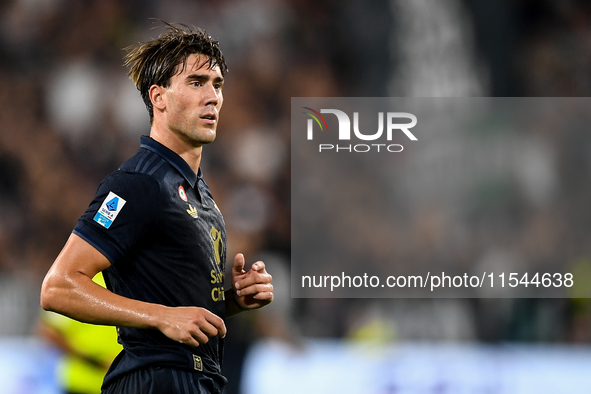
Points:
point(192, 211)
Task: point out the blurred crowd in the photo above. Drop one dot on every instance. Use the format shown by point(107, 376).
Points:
point(70, 116)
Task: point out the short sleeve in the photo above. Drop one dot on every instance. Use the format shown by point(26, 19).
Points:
point(122, 212)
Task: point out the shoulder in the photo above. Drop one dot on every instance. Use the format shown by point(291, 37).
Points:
point(144, 162)
point(138, 191)
point(145, 172)
point(123, 181)
point(145, 177)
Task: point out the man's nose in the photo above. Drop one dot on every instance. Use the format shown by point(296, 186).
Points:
point(211, 95)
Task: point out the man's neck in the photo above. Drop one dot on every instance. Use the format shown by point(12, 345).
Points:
point(191, 154)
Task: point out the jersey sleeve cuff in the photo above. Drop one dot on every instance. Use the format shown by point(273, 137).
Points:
point(96, 243)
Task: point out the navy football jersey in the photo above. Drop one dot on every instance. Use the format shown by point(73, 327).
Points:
point(157, 223)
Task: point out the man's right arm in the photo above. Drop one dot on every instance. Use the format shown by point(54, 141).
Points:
point(68, 289)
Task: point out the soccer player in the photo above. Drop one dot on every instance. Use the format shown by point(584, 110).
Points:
point(156, 234)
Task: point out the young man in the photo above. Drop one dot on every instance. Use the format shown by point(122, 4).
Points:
point(155, 232)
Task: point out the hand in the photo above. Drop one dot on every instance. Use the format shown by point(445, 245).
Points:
point(191, 325)
point(252, 289)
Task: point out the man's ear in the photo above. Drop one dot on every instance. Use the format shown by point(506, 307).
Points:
point(158, 97)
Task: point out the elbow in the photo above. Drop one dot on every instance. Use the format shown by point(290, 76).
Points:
point(48, 294)
point(45, 296)
point(45, 304)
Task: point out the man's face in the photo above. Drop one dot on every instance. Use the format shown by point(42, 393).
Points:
point(194, 99)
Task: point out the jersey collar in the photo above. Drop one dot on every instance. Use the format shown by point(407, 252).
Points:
point(171, 157)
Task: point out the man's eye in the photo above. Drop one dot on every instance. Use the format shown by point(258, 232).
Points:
point(196, 83)
point(218, 85)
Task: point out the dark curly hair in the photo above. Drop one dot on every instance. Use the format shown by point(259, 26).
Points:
point(155, 62)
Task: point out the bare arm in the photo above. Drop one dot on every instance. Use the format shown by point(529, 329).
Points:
point(68, 289)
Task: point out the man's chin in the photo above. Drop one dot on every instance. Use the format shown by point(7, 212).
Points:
point(209, 139)
point(204, 138)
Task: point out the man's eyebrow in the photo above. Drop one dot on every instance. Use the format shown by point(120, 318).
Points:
point(203, 77)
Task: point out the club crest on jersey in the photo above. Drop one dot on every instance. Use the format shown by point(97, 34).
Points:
point(110, 208)
point(218, 244)
point(182, 193)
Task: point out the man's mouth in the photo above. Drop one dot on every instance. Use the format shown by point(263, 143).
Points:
point(209, 118)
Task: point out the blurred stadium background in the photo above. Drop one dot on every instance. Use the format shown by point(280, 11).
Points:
point(69, 116)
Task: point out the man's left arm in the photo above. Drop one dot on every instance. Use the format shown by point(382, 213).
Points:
point(251, 289)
